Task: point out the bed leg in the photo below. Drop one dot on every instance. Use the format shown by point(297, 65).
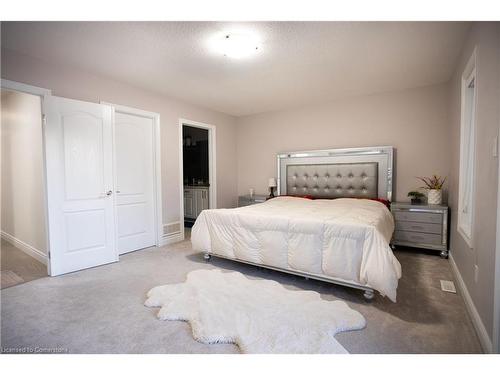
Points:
point(368, 294)
point(207, 257)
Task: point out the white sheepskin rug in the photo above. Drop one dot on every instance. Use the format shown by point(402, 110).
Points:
point(260, 316)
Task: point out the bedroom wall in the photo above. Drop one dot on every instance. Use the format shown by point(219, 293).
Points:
point(414, 121)
point(486, 37)
point(73, 83)
point(23, 212)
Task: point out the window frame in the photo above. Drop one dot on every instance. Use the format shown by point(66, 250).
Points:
point(468, 122)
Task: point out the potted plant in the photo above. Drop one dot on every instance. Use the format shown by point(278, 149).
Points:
point(434, 186)
point(416, 197)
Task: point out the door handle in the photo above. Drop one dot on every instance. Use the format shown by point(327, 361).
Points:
point(106, 194)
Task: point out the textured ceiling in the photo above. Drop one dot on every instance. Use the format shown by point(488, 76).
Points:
point(297, 63)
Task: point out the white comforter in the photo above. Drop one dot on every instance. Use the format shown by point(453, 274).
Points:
point(346, 239)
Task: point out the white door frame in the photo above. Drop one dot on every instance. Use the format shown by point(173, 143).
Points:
point(212, 172)
point(42, 93)
point(156, 160)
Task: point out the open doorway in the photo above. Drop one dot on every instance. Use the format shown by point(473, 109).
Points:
point(24, 245)
point(197, 161)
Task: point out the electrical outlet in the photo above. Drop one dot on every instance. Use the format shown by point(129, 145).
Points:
point(476, 273)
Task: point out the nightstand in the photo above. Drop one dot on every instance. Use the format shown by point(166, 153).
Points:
point(246, 200)
point(421, 225)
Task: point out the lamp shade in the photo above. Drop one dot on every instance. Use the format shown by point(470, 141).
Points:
point(272, 182)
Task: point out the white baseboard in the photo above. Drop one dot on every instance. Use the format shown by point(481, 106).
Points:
point(171, 238)
point(481, 331)
point(28, 249)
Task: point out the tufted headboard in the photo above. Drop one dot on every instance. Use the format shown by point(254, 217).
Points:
point(333, 180)
point(354, 173)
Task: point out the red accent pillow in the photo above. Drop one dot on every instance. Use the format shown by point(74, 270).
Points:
point(385, 202)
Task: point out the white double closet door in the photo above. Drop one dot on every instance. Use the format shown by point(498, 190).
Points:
point(100, 183)
point(134, 160)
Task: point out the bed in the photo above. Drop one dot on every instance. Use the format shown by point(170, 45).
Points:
point(304, 231)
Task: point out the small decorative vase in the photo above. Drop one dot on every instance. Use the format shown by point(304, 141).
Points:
point(434, 196)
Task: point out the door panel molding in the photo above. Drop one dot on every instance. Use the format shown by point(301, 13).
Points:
point(82, 225)
point(156, 142)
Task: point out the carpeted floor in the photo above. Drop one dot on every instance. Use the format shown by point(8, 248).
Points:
point(101, 310)
point(18, 267)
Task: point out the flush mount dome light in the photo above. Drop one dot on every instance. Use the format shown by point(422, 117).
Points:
point(236, 45)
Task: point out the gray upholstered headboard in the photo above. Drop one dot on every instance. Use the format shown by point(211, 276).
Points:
point(336, 173)
point(333, 180)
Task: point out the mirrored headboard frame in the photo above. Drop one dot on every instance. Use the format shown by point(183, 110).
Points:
point(383, 155)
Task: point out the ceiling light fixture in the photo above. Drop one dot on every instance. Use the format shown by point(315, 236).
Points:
point(236, 46)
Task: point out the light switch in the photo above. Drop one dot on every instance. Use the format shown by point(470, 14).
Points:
point(495, 147)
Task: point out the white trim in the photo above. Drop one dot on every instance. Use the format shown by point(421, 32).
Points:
point(469, 73)
point(496, 304)
point(26, 248)
point(157, 161)
point(113, 197)
point(212, 162)
point(481, 331)
point(172, 238)
point(22, 87)
point(42, 93)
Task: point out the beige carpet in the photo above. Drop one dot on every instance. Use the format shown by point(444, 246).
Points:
point(10, 278)
point(100, 310)
point(18, 267)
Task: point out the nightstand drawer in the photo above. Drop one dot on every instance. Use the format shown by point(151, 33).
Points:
point(424, 226)
point(420, 238)
point(413, 226)
point(421, 217)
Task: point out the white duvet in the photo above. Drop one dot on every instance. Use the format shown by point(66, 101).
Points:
point(344, 239)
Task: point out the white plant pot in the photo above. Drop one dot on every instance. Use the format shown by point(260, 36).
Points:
point(434, 196)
